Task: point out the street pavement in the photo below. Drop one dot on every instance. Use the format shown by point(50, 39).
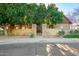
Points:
point(23, 46)
point(35, 49)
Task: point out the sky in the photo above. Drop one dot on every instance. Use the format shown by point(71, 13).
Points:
point(67, 7)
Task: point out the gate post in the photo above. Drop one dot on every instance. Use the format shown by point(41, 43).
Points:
point(44, 27)
point(5, 31)
point(34, 29)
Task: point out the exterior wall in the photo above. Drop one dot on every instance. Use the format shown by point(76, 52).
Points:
point(22, 31)
point(48, 32)
point(65, 26)
point(52, 32)
point(45, 30)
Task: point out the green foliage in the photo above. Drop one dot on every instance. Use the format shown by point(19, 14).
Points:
point(61, 33)
point(1, 32)
point(31, 35)
point(40, 14)
point(72, 34)
point(74, 31)
point(71, 31)
point(53, 15)
point(23, 13)
point(11, 13)
point(75, 35)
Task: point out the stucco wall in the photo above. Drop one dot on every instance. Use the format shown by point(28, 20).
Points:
point(65, 26)
point(53, 31)
point(22, 32)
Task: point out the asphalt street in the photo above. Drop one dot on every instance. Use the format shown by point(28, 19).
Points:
point(23, 46)
point(35, 49)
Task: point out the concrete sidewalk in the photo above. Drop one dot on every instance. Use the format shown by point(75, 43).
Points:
point(23, 39)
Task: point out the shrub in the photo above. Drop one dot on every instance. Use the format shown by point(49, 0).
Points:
point(71, 35)
point(71, 31)
point(31, 35)
point(76, 31)
point(1, 32)
point(61, 33)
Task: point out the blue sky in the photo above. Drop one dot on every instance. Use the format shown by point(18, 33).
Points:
point(67, 7)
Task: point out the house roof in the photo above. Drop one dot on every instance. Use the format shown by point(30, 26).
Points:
point(69, 21)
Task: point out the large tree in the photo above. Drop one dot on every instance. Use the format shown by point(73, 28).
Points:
point(40, 14)
point(53, 15)
point(30, 13)
point(27, 14)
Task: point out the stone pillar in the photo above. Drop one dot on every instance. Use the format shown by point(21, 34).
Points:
point(5, 31)
point(34, 29)
point(44, 27)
